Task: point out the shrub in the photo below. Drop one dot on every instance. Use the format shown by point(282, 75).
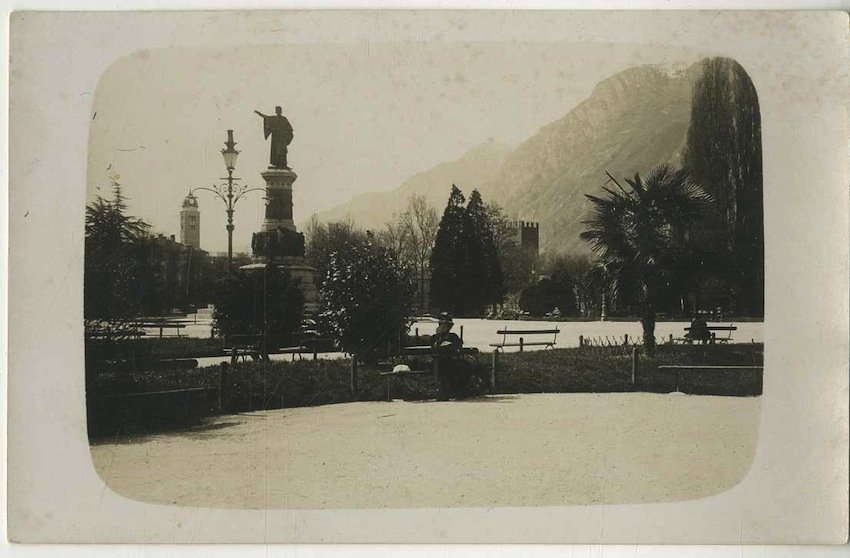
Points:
point(367, 297)
point(258, 300)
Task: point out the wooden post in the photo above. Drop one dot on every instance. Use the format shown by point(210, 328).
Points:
point(581, 340)
point(493, 371)
point(461, 333)
point(354, 382)
point(626, 339)
point(634, 363)
point(671, 338)
point(520, 344)
point(222, 381)
point(417, 334)
point(315, 351)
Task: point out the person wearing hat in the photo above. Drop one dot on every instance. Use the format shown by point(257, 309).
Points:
point(445, 346)
point(698, 330)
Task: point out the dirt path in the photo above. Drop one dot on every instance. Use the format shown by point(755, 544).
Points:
point(524, 450)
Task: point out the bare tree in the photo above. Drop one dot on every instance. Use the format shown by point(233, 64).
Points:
point(397, 238)
point(410, 236)
point(424, 222)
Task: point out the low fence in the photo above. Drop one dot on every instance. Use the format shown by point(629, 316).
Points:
point(618, 345)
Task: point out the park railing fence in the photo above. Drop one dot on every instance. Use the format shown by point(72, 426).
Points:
point(614, 345)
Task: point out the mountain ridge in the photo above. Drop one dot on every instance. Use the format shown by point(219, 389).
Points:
point(632, 121)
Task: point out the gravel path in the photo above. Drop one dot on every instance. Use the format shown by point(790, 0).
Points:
point(517, 450)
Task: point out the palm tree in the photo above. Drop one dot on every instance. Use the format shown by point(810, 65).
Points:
point(638, 235)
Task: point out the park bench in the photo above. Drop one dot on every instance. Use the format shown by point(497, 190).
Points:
point(522, 343)
point(244, 346)
point(419, 351)
point(713, 338)
point(162, 325)
point(309, 344)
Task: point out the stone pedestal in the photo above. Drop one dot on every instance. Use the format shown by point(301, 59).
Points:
point(305, 276)
point(278, 199)
point(279, 243)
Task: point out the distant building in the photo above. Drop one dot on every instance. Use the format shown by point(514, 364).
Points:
point(176, 275)
point(527, 235)
point(190, 222)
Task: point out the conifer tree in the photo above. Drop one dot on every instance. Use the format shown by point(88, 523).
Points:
point(723, 154)
point(483, 271)
point(450, 250)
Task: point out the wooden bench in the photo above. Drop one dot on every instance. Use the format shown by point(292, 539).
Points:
point(419, 351)
point(162, 325)
point(713, 335)
point(522, 342)
point(244, 346)
point(306, 345)
point(390, 374)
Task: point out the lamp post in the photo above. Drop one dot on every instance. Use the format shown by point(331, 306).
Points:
point(229, 192)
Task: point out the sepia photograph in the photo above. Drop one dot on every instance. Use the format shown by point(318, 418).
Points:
point(437, 271)
point(570, 304)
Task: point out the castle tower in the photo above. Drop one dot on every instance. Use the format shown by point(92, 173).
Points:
point(190, 222)
point(527, 236)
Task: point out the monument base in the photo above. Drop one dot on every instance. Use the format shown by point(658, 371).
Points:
point(302, 275)
point(278, 199)
point(305, 276)
point(279, 243)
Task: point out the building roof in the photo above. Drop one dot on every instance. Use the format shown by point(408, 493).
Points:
point(190, 201)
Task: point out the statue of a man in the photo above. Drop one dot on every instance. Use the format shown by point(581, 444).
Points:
point(280, 130)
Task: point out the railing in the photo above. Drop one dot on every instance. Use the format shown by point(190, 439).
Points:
point(620, 345)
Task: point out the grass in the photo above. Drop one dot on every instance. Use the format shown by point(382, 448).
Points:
point(600, 370)
point(256, 386)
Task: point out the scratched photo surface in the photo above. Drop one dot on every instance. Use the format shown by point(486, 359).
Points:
point(428, 277)
point(423, 275)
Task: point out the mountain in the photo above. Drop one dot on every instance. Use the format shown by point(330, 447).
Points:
point(478, 166)
point(630, 123)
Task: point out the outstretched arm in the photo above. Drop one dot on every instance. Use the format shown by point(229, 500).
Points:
point(260, 113)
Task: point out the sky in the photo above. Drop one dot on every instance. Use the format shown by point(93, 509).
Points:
point(366, 116)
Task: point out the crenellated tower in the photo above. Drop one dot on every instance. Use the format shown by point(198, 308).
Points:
point(527, 235)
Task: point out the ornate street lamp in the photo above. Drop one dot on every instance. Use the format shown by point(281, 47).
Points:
point(229, 192)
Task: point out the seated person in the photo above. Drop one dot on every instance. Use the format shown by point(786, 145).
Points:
point(444, 341)
point(445, 346)
point(699, 330)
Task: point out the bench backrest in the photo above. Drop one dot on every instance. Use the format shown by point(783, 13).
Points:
point(527, 331)
point(505, 332)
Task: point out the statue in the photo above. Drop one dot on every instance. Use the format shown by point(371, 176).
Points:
point(281, 132)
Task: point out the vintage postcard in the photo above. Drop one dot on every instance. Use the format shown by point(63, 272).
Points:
point(428, 276)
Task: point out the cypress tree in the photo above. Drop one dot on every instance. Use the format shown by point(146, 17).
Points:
point(483, 272)
point(723, 155)
point(450, 250)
